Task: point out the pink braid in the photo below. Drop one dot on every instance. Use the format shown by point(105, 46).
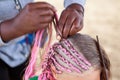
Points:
point(51, 59)
point(30, 68)
point(46, 65)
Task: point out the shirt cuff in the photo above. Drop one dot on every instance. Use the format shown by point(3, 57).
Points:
point(69, 2)
point(2, 42)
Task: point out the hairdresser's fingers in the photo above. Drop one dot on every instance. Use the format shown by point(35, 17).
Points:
point(40, 5)
point(62, 21)
point(58, 33)
point(44, 25)
point(44, 12)
point(68, 25)
point(45, 19)
point(44, 15)
point(77, 26)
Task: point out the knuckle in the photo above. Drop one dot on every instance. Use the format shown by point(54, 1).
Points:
point(78, 28)
point(61, 24)
point(29, 7)
point(46, 4)
point(73, 12)
point(45, 25)
point(68, 25)
point(49, 19)
point(65, 35)
point(50, 12)
point(41, 26)
point(64, 12)
point(43, 2)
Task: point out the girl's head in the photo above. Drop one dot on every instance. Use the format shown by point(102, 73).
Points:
point(78, 58)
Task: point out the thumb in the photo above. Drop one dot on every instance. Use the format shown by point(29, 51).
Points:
point(58, 33)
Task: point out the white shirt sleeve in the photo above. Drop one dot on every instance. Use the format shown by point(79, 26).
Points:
point(69, 2)
point(1, 41)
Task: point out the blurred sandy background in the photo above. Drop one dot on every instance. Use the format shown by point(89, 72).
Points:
point(102, 19)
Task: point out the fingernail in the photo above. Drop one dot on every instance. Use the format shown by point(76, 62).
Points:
point(55, 9)
point(58, 37)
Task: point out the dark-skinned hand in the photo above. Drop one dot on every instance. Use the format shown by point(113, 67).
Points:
point(71, 20)
point(33, 17)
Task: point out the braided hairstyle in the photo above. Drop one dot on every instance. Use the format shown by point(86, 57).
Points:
point(78, 53)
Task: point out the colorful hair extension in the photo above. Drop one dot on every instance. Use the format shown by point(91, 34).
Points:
point(59, 55)
point(38, 43)
point(30, 68)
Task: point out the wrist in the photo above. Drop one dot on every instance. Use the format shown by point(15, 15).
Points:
point(7, 30)
point(4, 30)
point(79, 8)
point(69, 2)
point(1, 32)
point(1, 40)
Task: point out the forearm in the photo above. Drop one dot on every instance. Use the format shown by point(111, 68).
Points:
point(2, 42)
point(7, 31)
